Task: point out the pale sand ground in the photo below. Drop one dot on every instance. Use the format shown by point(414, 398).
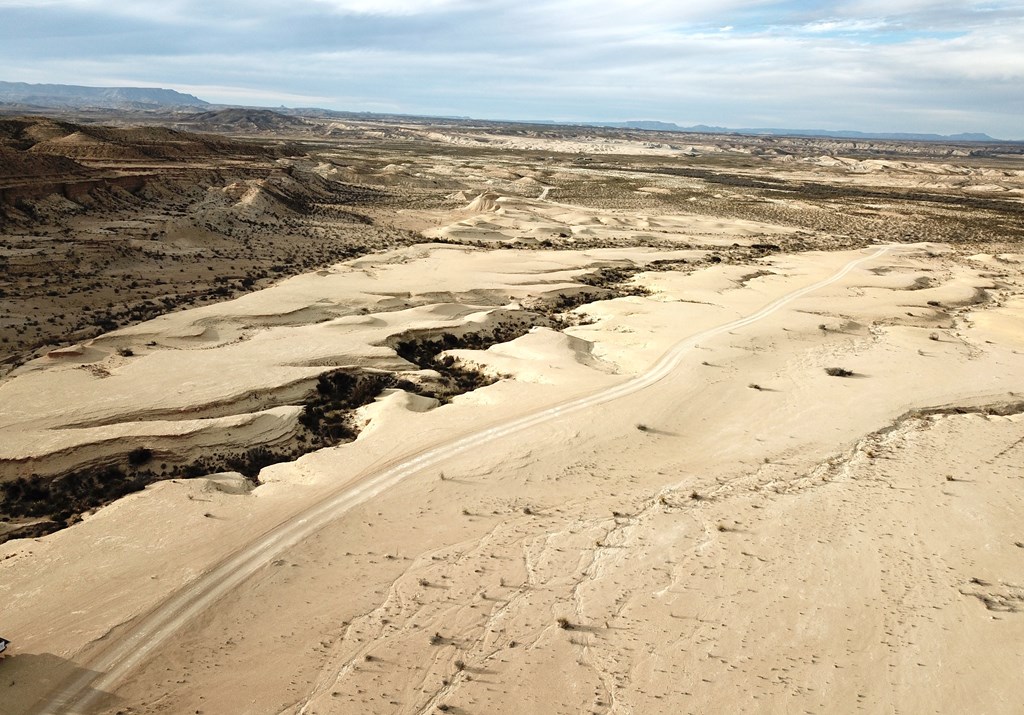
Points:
point(585, 144)
point(826, 567)
point(491, 217)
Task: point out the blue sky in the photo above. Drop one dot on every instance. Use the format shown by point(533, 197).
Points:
point(873, 65)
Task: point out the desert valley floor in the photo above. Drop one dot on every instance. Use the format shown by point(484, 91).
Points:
point(443, 417)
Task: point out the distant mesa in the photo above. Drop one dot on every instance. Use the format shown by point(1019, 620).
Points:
point(61, 96)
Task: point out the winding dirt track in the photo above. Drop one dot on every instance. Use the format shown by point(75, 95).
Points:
point(140, 639)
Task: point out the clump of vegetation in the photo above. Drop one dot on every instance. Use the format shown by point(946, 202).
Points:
point(74, 493)
point(424, 352)
point(326, 413)
point(616, 278)
point(139, 456)
point(838, 372)
point(564, 623)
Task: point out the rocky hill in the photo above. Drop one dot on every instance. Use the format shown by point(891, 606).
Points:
point(43, 135)
point(244, 119)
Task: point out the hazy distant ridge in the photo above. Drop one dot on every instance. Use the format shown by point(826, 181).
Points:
point(76, 96)
point(839, 134)
point(68, 95)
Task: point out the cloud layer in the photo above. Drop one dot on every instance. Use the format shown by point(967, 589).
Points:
point(895, 65)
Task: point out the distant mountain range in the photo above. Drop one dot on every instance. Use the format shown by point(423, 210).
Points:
point(67, 95)
point(761, 131)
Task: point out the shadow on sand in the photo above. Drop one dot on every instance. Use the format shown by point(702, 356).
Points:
point(29, 682)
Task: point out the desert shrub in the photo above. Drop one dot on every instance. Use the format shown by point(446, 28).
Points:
point(139, 456)
point(838, 371)
point(253, 461)
point(72, 494)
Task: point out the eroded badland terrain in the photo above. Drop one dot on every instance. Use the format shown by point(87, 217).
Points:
point(343, 415)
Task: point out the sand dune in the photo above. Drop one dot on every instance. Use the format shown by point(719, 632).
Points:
point(509, 219)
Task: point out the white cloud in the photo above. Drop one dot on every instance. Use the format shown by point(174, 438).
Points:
point(845, 26)
point(731, 62)
point(393, 7)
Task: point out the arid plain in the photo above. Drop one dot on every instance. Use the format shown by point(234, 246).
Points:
point(481, 418)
